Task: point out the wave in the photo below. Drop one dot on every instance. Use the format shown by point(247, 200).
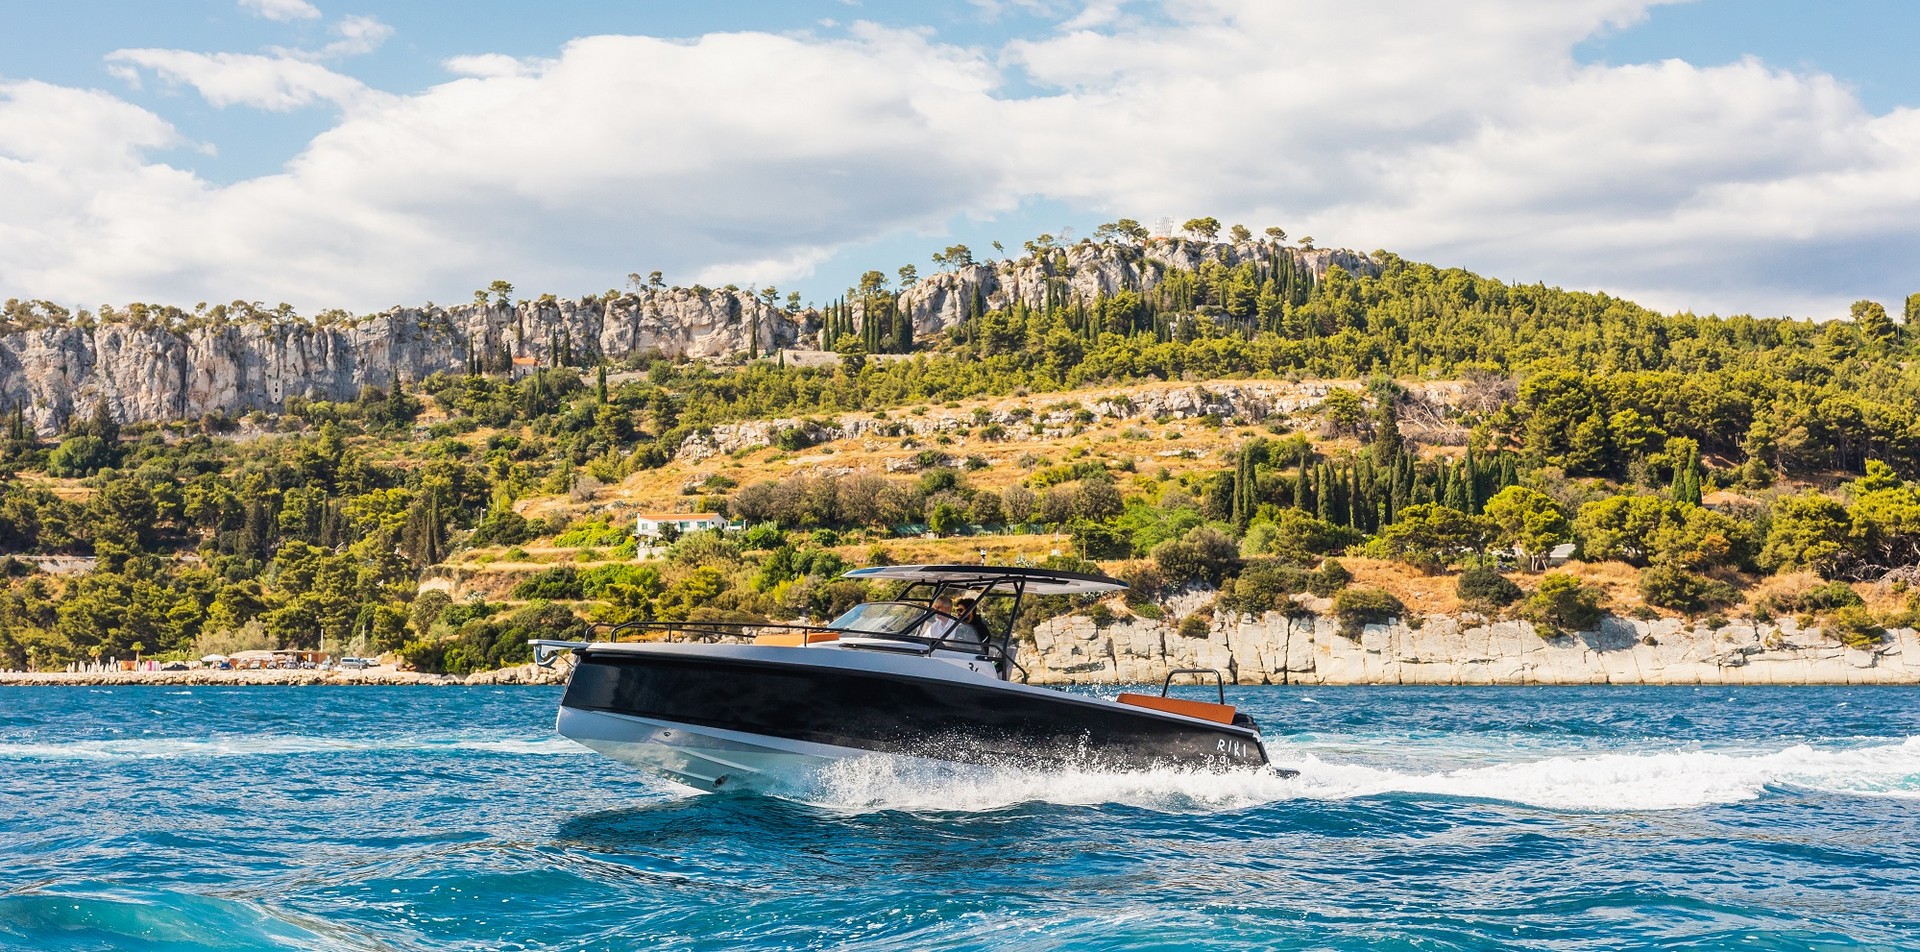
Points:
point(1605, 782)
point(71, 919)
point(163, 748)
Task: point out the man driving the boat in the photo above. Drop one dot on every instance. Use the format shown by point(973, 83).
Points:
point(967, 611)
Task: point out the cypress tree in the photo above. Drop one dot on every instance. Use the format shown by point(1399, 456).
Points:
point(1323, 492)
point(1459, 490)
point(1300, 486)
point(1470, 474)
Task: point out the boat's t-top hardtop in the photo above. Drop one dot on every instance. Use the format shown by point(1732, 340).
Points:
point(1008, 579)
point(928, 614)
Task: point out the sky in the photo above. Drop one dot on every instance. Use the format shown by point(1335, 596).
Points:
point(1717, 156)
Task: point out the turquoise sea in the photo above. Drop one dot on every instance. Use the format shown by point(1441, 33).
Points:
point(452, 818)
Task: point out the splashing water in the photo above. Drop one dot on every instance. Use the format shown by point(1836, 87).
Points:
point(1606, 782)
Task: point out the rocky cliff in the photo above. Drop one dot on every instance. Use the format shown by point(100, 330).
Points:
point(154, 370)
point(1276, 649)
point(149, 368)
point(1088, 271)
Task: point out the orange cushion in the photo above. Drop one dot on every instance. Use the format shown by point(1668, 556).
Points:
point(1206, 711)
point(794, 639)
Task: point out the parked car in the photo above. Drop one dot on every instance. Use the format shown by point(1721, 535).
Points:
point(355, 664)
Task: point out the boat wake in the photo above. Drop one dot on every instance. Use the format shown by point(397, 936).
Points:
point(1602, 782)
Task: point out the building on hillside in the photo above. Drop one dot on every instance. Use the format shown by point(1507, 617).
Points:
point(654, 525)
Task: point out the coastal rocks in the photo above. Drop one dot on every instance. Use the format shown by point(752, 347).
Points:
point(1277, 649)
point(523, 674)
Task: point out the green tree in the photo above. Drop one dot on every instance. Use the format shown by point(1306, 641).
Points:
point(1205, 229)
point(1431, 537)
point(1529, 521)
point(853, 354)
point(1808, 531)
point(1873, 322)
point(1622, 527)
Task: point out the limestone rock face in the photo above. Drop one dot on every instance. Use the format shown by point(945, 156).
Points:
point(1276, 649)
point(942, 301)
point(150, 372)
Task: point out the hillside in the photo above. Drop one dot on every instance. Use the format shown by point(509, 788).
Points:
point(1237, 429)
point(157, 363)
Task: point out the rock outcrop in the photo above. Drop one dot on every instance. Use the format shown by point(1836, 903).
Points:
point(1276, 649)
point(156, 370)
point(159, 364)
point(1089, 271)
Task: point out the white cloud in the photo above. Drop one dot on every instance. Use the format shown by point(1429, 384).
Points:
point(289, 79)
point(490, 65)
point(1466, 136)
point(357, 35)
point(274, 83)
point(281, 10)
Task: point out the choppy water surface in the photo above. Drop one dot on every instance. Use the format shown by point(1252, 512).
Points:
point(410, 818)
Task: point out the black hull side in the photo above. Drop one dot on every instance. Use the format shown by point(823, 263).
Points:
point(926, 717)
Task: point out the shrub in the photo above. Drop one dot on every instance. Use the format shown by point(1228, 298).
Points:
point(480, 645)
point(1202, 555)
point(592, 532)
point(1856, 628)
point(503, 527)
point(1820, 598)
point(792, 439)
point(1144, 581)
point(1682, 591)
point(1100, 614)
point(1266, 587)
point(550, 585)
point(1563, 604)
point(1484, 585)
point(1195, 625)
point(1329, 579)
point(1360, 607)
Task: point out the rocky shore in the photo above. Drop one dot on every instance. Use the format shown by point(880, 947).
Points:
point(524, 674)
point(1276, 649)
point(1446, 650)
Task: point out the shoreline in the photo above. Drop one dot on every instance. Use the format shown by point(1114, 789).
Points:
point(526, 674)
point(1275, 649)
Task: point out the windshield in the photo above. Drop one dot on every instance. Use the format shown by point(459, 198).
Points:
point(891, 618)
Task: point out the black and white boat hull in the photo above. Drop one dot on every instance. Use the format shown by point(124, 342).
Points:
point(728, 716)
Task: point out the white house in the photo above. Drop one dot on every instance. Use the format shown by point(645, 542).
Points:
point(651, 525)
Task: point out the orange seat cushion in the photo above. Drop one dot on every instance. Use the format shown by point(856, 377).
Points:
point(1206, 711)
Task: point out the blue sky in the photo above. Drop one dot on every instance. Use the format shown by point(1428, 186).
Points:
point(1719, 155)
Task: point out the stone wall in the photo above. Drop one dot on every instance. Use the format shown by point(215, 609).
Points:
point(1275, 649)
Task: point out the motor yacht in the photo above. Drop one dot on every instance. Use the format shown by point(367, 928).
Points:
point(722, 706)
